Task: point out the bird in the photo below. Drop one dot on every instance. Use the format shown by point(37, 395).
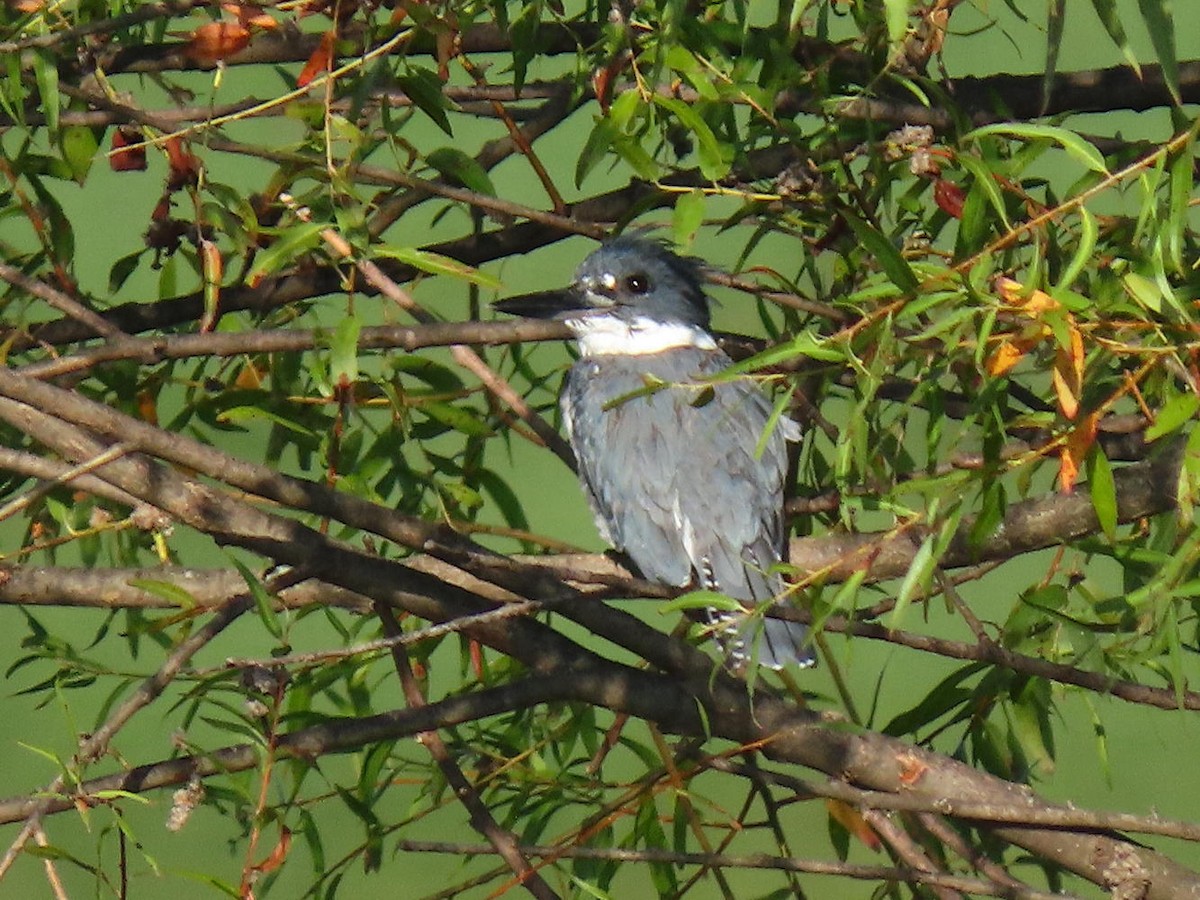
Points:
point(684, 471)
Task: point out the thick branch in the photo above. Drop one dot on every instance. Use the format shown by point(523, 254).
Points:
point(1143, 489)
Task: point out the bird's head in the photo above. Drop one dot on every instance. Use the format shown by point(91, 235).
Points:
point(632, 295)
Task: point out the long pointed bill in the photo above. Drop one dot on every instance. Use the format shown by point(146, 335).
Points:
point(542, 305)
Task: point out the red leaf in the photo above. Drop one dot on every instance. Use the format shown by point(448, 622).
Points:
point(949, 197)
point(129, 150)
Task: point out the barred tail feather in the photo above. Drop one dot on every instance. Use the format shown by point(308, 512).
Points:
point(774, 643)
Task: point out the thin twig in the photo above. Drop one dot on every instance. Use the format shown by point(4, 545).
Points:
point(501, 840)
point(750, 861)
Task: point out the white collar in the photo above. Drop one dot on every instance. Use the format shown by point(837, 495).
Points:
point(601, 335)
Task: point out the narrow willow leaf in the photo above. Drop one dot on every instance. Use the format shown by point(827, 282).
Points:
point(595, 148)
point(452, 163)
point(1056, 14)
point(915, 579)
point(1082, 257)
point(45, 73)
point(1103, 490)
point(687, 218)
point(896, 14)
point(262, 600)
point(424, 89)
point(343, 356)
point(1076, 147)
point(460, 418)
point(1177, 411)
point(1177, 213)
point(1107, 11)
point(165, 590)
point(878, 245)
point(702, 600)
point(437, 264)
point(1161, 25)
point(715, 159)
point(290, 244)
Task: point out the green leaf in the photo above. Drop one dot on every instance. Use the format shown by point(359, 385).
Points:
point(1031, 728)
point(946, 696)
point(1055, 18)
point(715, 159)
point(702, 600)
point(1076, 147)
point(1084, 252)
point(984, 181)
point(460, 418)
point(1103, 490)
point(1144, 291)
point(1107, 11)
point(915, 579)
point(291, 243)
point(343, 356)
point(436, 264)
point(45, 73)
point(165, 590)
point(424, 89)
point(262, 600)
point(79, 149)
point(1178, 211)
point(455, 165)
point(896, 14)
point(687, 218)
point(1161, 25)
point(595, 148)
point(879, 246)
point(505, 498)
point(1177, 411)
point(122, 269)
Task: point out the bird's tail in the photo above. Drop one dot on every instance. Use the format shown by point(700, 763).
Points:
point(756, 639)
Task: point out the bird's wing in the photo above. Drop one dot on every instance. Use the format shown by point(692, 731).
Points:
point(674, 475)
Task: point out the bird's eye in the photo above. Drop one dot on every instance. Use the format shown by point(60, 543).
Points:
point(637, 284)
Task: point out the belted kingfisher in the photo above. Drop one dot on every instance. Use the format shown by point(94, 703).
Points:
point(683, 473)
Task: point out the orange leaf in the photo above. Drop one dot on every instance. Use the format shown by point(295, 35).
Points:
point(320, 61)
point(1008, 354)
point(249, 378)
point(147, 406)
point(1033, 303)
point(851, 819)
point(184, 165)
point(278, 855)
point(216, 41)
point(129, 150)
point(1072, 454)
point(250, 16)
point(1068, 373)
point(447, 48)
